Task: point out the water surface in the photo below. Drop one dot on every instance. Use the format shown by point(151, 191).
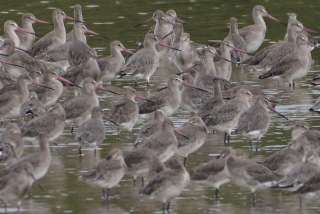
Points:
point(206, 19)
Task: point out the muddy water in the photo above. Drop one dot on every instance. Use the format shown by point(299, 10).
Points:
point(62, 192)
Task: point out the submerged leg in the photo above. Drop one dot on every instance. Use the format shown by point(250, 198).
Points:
point(164, 207)
point(225, 138)
point(142, 181)
point(185, 159)
point(216, 193)
point(105, 194)
point(80, 151)
point(253, 199)
point(168, 207)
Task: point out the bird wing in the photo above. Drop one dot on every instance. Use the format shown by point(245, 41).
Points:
point(75, 107)
point(56, 54)
point(140, 61)
point(224, 114)
point(156, 183)
point(287, 64)
point(260, 173)
point(123, 112)
point(153, 103)
point(42, 45)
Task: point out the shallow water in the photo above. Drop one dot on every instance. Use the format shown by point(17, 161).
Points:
point(62, 192)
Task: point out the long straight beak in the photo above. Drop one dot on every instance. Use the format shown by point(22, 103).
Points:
point(167, 46)
point(176, 131)
point(191, 86)
point(273, 18)
point(68, 18)
point(225, 59)
point(20, 49)
point(68, 82)
point(100, 87)
point(127, 51)
point(7, 63)
point(40, 21)
point(91, 32)
point(143, 98)
point(168, 34)
point(42, 85)
point(278, 113)
point(19, 29)
point(309, 30)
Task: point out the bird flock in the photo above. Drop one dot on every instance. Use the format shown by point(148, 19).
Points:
point(54, 82)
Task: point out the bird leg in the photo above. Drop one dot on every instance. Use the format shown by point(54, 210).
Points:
point(216, 193)
point(105, 194)
point(253, 199)
point(163, 208)
point(168, 207)
point(300, 202)
point(134, 181)
point(142, 181)
point(185, 159)
point(4, 206)
point(80, 151)
point(225, 139)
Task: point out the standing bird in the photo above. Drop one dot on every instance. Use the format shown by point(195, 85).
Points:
point(295, 65)
point(255, 122)
point(27, 39)
point(225, 118)
point(79, 108)
point(167, 99)
point(273, 54)
point(145, 62)
point(125, 113)
point(142, 162)
point(163, 142)
point(92, 132)
point(10, 32)
point(49, 96)
point(168, 184)
point(152, 127)
point(12, 98)
point(211, 173)
point(51, 124)
point(17, 179)
point(108, 172)
point(194, 136)
point(247, 173)
point(111, 65)
point(236, 39)
point(54, 38)
point(11, 144)
point(254, 34)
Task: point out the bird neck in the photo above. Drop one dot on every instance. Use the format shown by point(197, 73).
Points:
point(11, 34)
point(59, 28)
point(258, 20)
point(115, 52)
point(292, 35)
point(234, 28)
point(208, 65)
point(28, 26)
point(79, 35)
point(217, 91)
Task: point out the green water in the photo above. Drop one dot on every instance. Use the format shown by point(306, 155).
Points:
point(206, 19)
